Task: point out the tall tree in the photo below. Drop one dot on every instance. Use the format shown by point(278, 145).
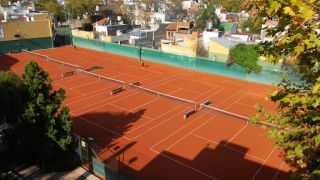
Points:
point(230, 5)
point(54, 8)
point(125, 15)
point(80, 7)
point(205, 15)
point(298, 116)
point(13, 96)
point(46, 129)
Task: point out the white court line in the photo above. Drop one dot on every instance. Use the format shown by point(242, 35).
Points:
point(278, 171)
point(234, 136)
point(200, 82)
point(71, 89)
point(239, 131)
point(185, 165)
point(229, 97)
point(189, 133)
point(85, 84)
point(110, 100)
point(206, 98)
point(87, 96)
point(264, 162)
point(176, 131)
point(246, 104)
point(128, 110)
point(198, 136)
point(156, 99)
point(105, 102)
point(149, 129)
point(115, 133)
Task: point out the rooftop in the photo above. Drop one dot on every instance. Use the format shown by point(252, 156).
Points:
point(228, 43)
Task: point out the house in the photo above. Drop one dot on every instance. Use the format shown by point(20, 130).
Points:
point(112, 33)
point(242, 36)
point(22, 29)
point(178, 29)
point(180, 39)
point(207, 35)
point(188, 46)
point(142, 37)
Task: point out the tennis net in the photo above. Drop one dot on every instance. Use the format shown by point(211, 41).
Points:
point(49, 59)
point(238, 116)
point(159, 94)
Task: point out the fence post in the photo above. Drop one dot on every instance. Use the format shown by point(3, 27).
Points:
point(89, 149)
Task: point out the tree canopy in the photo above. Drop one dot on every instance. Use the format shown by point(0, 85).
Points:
point(252, 26)
point(12, 98)
point(80, 7)
point(205, 15)
point(41, 125)
point(298, 115)
point(53, 7)
point(246, 56)
point(230, 5)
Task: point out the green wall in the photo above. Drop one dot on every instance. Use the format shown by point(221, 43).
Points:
point(30, 44)
point(194, 63)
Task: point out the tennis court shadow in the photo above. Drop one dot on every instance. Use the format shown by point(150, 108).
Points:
point(211, 162)
point(105, 127)
point(6, 61)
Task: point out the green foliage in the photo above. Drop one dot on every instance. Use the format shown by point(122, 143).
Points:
point(298, 115)
point(45, 131)
point(252, 25)
point(259, 107)
point(5, 1)
point(296, 35)
point(80, 7)
point(12, 97)
point(299, 120)
point(205, 15)
point(53, 7)
point(125, 15)
point(230, 5)
point(246, 56)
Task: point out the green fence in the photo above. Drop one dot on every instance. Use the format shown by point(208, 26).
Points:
point(89, 161)
point(267, 76)
point(30, 44)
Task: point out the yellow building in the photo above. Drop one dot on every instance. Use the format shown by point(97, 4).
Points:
point(30, 33)
point(218, 49)
point(83, 34)
point(187, 47)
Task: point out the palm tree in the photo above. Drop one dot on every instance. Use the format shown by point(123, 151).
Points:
point(205, 15)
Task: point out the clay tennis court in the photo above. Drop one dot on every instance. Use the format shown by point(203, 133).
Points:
point(148, 131)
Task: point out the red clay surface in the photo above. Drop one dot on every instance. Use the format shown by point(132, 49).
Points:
point(149, 132)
